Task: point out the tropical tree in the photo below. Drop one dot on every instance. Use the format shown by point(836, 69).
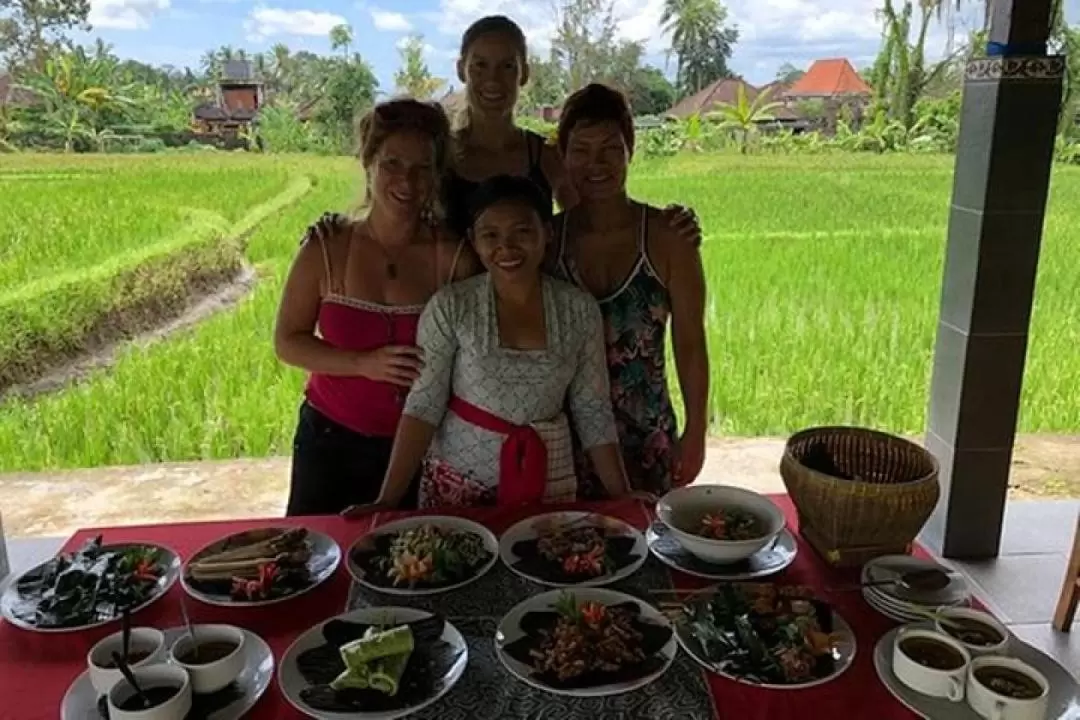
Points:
point(744, 114)
point(76, 95)
point(32, 30)
point(414, 78)
point(701, 40)
point(341, 38)
point(788, 73)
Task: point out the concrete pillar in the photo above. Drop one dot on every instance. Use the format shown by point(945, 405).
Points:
point(1003, 162)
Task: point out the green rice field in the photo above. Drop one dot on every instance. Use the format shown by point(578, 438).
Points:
point(824, 279)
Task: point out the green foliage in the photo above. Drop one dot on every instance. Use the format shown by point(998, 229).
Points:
point(651, 93)
point(701, 40)
point(414, 78)
point(283, 132)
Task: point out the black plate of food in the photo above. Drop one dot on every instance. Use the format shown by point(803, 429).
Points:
point(261, 567)
point(771, 635)
point(89, 587)
point(565, 549)
point(422, 555)
point(587, 642)
point(373, 664)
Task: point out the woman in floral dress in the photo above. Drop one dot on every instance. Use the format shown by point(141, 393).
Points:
point(642, 274)
point(504, 354)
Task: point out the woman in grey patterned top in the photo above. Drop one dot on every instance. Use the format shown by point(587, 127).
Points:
point(504, 354)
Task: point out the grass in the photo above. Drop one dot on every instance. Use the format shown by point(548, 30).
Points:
point(824, 283)
point(76, 218)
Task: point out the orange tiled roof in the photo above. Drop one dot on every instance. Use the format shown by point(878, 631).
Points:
point(828, 78)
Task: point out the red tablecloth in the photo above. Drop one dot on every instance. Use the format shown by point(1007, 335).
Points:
point(36, 669)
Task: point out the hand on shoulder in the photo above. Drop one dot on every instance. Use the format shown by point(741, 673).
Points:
point(329, 225)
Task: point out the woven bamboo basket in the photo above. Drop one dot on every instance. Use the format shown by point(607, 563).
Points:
point(859, 493)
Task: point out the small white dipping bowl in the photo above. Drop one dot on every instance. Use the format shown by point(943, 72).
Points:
point(962, 614)
point(164, 675)
point(683, 508)
point(212, 676)
point(143, 639)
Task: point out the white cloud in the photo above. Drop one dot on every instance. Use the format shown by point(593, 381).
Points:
point(389, 21)
point(771, 32)
point(125, 14)
point(266, 22)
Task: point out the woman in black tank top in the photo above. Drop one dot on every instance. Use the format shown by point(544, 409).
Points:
point(493, 67)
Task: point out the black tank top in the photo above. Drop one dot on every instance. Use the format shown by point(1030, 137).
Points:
point(456, 189)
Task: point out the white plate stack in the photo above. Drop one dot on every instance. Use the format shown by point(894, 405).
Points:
point(904, 604)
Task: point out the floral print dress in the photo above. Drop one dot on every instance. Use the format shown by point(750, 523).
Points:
point(635, 328)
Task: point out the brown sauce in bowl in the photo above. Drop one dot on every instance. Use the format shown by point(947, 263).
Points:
point(207, 652)
point(972, 632)
point(136, 656)
point(932, 654)
point(156, 696)
point(1009, 682)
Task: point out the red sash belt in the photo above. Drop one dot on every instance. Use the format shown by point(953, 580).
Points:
point(522, 460)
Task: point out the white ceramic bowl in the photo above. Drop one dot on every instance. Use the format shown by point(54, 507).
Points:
point(143, 639)
point(682, 508)
point(983, 619)
point(212, 676)
point(991, 704)
point(163, 675)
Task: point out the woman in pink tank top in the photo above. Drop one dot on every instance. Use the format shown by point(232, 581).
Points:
point(351, 304)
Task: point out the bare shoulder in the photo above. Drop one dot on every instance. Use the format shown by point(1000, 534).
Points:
point(455, 254)
point(665, 247)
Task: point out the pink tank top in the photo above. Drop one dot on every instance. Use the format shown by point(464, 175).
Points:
point(362, 405)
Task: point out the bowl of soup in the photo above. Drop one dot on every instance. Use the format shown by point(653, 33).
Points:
point(214, 660)
point(166, 695)
point(1004, 687)
point(931, 663)
point(979, 632)
point(720, 524)
point(146, 647)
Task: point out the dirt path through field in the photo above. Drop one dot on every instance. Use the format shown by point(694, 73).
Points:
point(44, 504)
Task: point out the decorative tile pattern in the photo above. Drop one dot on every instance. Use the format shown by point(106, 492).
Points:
point(1016, 69)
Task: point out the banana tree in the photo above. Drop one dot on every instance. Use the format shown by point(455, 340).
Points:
point(744, 114)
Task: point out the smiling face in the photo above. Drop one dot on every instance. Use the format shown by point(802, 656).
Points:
point(493, 72)
point(510, 239)
point(597, 160)
point(402, 173)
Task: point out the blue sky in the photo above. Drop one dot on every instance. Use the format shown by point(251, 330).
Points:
point(772, 32)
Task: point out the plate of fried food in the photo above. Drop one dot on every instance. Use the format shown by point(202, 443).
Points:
point(261, 567)
point(566, 549)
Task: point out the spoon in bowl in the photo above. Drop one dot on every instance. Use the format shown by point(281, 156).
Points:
point(125, 670)
point(190, 629)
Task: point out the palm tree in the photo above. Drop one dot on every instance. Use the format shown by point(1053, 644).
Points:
point(341, 37)
point(699, 39)
point(744, 114)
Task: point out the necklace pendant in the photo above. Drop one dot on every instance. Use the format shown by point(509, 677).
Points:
point(391, 271)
